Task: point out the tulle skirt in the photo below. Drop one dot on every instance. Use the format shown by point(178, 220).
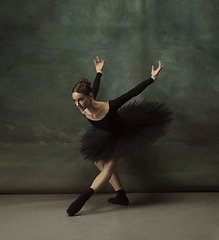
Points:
point(146, 121)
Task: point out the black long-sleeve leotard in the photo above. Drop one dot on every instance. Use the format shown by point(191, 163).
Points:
point(114, 122)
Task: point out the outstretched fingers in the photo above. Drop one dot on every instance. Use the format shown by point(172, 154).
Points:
point(96, 61)
point(160, 66)
point(155, 72)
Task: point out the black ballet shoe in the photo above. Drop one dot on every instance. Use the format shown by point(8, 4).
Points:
point(120, 199)
point(77, 205)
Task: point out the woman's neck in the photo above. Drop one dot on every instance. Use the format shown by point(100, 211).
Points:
point(94, 107)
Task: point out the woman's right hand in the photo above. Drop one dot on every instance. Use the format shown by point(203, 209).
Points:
point(154, 73)
point(99, 65)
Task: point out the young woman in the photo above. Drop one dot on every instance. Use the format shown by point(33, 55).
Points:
point(117, 133)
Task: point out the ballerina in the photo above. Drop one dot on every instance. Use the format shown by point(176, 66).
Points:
point(117, 131)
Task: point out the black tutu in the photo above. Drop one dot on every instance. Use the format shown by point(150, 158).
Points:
point(147, 123)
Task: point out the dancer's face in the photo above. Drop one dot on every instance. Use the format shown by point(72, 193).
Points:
point(82, 101)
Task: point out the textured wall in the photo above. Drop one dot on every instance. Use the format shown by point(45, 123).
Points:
point(47, 45)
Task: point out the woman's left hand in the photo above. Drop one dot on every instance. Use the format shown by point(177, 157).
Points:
point(154, 73)
point(99, 64)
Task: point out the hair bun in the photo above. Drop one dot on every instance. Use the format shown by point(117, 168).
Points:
point(85, 81)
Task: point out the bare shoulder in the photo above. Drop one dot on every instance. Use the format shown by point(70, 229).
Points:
point(104, 104)
point(103, 107)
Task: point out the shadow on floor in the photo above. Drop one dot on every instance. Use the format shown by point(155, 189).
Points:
point(100, 206)
point(151, 199)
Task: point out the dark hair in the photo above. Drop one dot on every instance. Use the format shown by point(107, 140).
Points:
point(83, 86)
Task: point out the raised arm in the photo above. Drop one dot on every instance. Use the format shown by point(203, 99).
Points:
point(118, 102)
point(96, 84)
point(99, 68)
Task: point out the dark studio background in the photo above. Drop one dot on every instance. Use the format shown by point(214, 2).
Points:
point(47, 46)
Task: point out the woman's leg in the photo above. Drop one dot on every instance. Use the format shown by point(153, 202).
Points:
point(106, 174)
point(121, 197)
point(99, 182)
point(114, 180)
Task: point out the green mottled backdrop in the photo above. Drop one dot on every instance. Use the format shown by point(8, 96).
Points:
point(47, 45)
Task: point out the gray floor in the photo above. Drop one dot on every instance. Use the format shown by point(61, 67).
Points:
point(172, 216)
